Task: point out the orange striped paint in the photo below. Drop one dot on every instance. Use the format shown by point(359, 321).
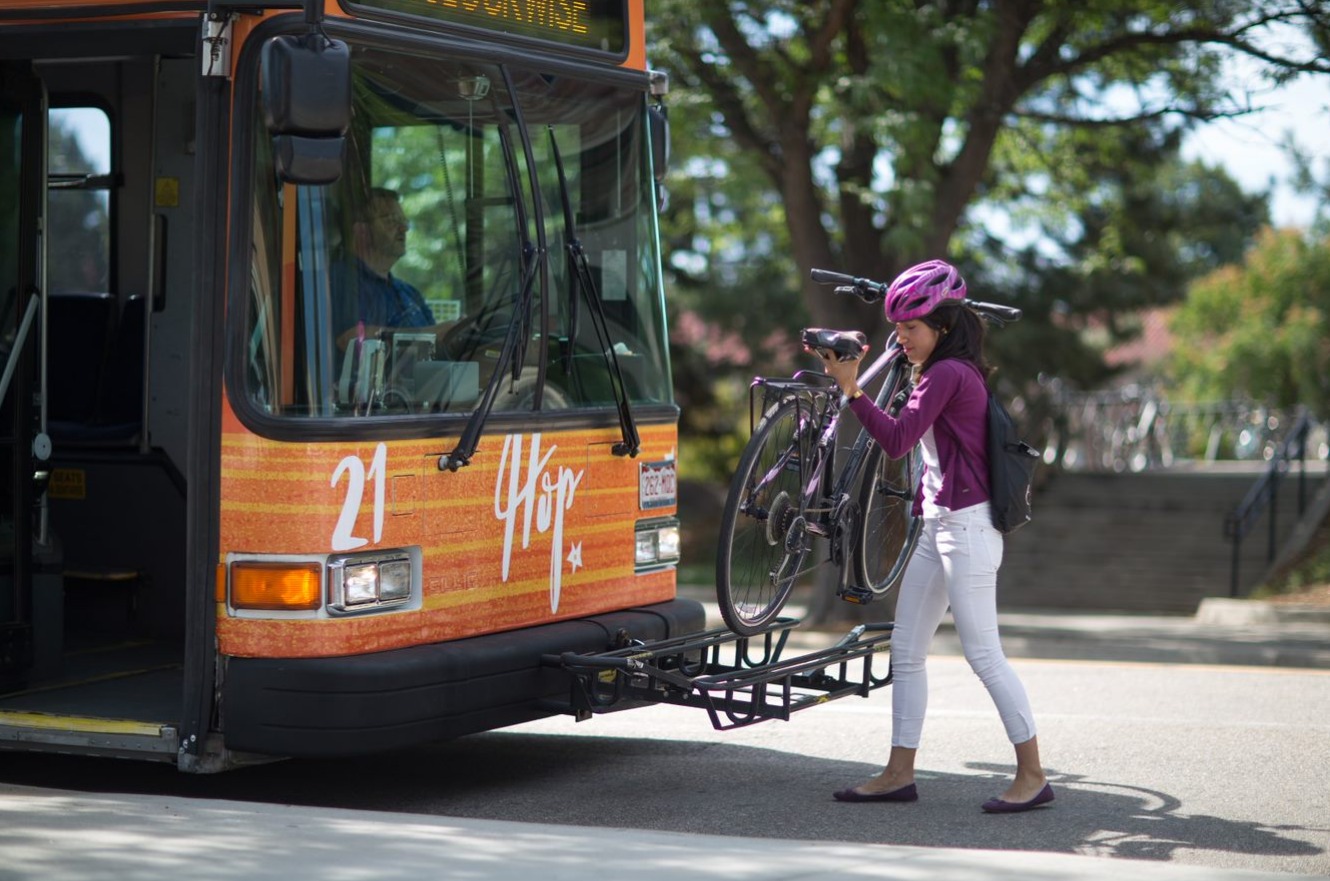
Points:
point(280, 498)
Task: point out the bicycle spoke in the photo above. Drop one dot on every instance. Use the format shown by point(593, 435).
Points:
point(886, 500)
point(889, 526)
point(764, 541)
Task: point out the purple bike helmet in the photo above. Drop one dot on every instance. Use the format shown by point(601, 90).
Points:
point(921, 288)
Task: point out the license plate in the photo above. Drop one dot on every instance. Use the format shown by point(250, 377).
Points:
point(658, 485)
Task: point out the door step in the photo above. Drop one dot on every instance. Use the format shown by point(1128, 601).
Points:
point(85, 735)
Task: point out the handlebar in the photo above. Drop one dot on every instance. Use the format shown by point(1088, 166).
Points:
point(864, 288)
point(871, 291)
point(995, 312)
point(826, 276)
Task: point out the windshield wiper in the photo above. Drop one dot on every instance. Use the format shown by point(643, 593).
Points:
point(517, 332)
point(512, 356)
point(580, 272)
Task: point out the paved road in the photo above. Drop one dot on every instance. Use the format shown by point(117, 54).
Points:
point(1173, 769)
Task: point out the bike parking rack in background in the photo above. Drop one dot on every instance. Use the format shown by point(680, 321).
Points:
point(738, 680)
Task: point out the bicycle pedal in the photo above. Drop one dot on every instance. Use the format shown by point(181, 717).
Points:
point(860, 596)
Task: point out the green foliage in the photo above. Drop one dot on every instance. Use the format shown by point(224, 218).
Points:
point(1311, 570)
point(1036, 144)
point(1262, 329)
point(78, 220)
point(1137, 246)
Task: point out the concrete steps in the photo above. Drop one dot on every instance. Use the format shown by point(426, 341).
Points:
point(1149, 542)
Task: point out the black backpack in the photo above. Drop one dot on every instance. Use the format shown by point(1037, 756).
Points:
point(1011, 464)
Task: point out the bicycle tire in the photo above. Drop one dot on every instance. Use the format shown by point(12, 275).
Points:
point(762, 548)
point(888, 528)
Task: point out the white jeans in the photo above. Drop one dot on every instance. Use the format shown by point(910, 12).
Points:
point(956, 563)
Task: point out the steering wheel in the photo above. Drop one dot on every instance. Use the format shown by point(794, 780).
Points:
point(473, 332)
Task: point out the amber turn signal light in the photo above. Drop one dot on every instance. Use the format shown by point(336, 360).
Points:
point(277, 586)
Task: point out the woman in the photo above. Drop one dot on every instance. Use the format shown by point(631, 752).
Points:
point(959, 551)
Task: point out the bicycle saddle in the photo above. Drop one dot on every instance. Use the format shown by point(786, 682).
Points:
point(848, 345)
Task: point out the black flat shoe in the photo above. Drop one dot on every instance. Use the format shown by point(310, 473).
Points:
point(905, 793)
point(998, 806)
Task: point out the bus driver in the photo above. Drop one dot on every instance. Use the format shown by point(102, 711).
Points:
point(368, 300)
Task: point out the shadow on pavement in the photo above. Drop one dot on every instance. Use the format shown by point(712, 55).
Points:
point(663, 785)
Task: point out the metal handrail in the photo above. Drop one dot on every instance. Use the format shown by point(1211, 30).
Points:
point(20, 340)
point(1265, 493)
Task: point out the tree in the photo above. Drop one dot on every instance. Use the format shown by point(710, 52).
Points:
point(1034, 141)
point(78, 218)
point(1308, 182)
point(1260, 330)
point(883, 132)
point(1137, 245)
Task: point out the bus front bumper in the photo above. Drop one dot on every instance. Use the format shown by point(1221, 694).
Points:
point(313, 707)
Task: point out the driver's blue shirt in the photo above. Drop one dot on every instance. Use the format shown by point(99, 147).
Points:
point(377, 300)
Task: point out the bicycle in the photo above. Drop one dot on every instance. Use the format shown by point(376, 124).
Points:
point(789, 490)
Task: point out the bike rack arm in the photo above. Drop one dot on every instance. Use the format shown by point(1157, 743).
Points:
point(735, 692)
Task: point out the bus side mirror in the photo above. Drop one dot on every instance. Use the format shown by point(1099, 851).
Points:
point(658, 120)
point(658, 125)
point(306, 86)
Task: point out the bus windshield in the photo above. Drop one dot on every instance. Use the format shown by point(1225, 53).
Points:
point(392, 292)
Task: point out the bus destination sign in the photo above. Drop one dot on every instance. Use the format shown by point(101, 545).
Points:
point(587, 24)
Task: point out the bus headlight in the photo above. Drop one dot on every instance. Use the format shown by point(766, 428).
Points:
point(395, 581)
point(657, 544)
point(365, 582)
point(321, 585)
point(360, 584)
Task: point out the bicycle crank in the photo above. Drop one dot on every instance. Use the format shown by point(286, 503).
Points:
point(845, 529)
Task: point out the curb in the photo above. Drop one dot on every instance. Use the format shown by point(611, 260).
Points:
point(1226, 612)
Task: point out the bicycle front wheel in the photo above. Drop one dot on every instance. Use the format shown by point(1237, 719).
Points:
point(764, 541)
point(890, 529)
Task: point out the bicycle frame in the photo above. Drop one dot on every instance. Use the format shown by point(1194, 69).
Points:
point(821, 511)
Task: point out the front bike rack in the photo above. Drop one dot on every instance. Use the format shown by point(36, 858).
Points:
point(738, 680)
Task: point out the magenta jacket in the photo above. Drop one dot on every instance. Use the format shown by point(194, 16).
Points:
point(953, 398)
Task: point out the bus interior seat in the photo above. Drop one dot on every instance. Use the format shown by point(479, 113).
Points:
point(120, 403)
point(79, 333)
point(94, 368)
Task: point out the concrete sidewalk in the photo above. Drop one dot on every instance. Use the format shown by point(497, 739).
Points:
point(62, 836)
point(1223, 631)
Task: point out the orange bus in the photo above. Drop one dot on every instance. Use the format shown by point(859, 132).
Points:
point(336, 390)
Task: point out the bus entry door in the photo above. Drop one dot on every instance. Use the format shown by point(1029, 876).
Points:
point(22, 453)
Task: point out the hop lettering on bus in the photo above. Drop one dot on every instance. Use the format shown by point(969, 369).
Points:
point(599, 25)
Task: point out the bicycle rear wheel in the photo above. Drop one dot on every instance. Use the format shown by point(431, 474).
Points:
point(764, 542)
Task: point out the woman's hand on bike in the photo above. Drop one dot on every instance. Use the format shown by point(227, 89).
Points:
point(845, 373)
